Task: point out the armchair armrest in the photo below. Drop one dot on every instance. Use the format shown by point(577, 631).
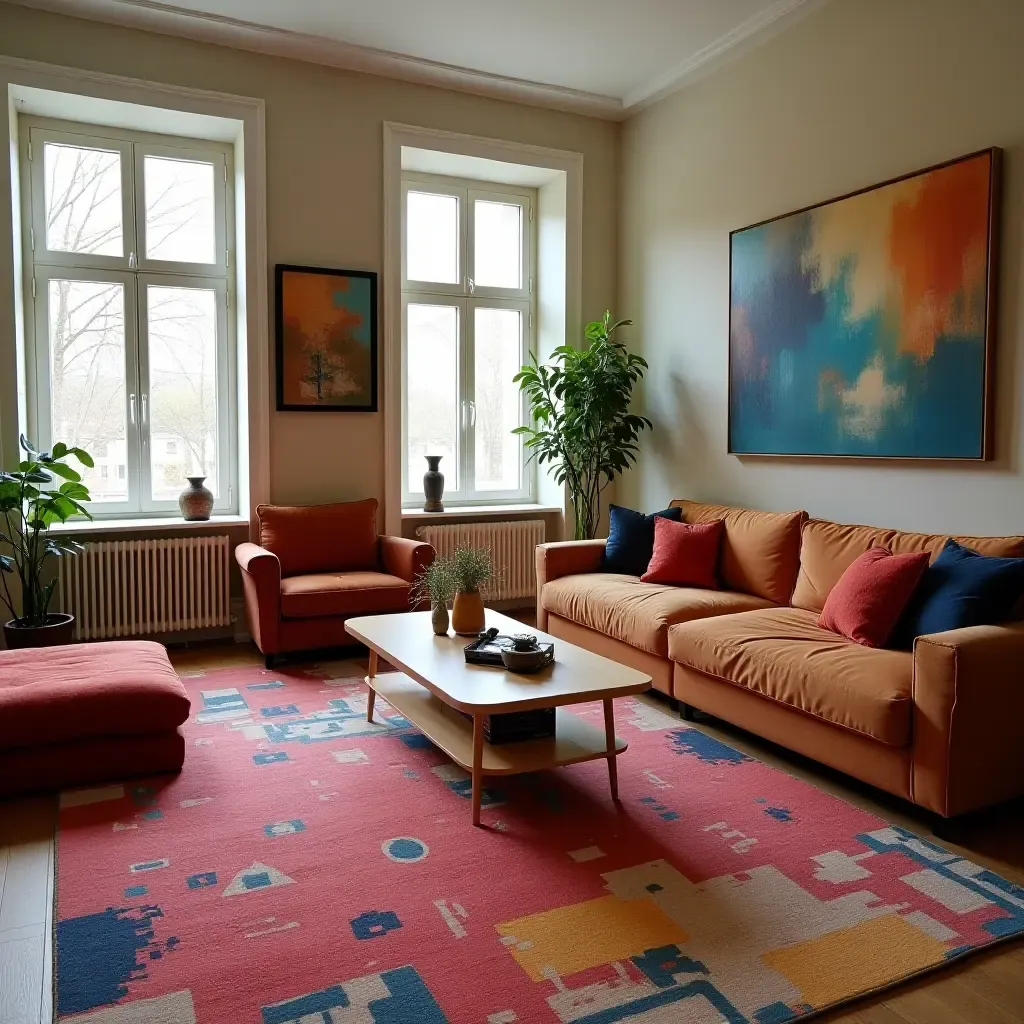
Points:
point(564, 558)
point(968, 692)
point(405, 558)
point(261, 584)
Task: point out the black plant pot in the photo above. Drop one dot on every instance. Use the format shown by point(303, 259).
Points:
point(59, 629)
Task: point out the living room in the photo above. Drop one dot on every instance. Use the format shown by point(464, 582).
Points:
point(800, 795)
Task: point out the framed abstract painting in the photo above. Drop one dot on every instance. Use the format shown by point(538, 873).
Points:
point(863, 327)
point(326, 339)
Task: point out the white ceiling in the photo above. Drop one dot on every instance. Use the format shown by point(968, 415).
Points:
point(605, 57)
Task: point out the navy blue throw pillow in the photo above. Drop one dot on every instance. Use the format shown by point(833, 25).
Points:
point(631, 539)
point(962, 588)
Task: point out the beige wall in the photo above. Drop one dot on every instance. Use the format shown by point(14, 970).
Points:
point(858, 92)
point(324, 188)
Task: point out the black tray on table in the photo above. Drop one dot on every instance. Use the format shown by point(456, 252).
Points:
point(487, 651)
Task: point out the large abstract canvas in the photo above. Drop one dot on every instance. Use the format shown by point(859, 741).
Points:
point(863, 326)
point(326, 339)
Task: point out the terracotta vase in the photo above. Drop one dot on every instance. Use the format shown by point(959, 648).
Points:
point(439, 619)
point(433, 484)
point(196, 501)
point(468, 613)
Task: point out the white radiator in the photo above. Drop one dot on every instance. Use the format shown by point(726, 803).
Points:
point(131, 587)
point(513, 548)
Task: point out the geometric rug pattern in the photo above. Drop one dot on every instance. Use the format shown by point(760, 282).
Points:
point(309, 867)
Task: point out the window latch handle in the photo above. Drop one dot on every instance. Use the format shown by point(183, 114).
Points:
point(131, 408)
point(472, 414)
point(472, 286)
point(132, 261)
point(145, 414)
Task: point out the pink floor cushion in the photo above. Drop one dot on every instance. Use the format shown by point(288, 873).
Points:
point(90, 711)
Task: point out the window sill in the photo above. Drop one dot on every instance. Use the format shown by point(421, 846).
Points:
point(477, 511)
point(155, 525)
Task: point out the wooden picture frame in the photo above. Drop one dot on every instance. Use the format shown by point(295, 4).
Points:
point(864, 326)
point(326, 339)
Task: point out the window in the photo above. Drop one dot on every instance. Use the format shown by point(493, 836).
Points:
point(467, 304)
point(129, 239)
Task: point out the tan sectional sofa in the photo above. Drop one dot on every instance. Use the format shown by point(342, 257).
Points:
point(942, 726)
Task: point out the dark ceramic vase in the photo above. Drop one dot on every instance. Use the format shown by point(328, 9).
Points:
point(433, 484)
point(196, 501)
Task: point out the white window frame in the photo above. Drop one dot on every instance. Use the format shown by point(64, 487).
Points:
point(136, 272)
point(467, 296)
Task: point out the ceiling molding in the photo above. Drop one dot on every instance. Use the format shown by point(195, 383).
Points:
point(166, 19)
point(749, 33)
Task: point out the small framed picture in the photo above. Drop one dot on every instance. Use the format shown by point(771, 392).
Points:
point(326, 339)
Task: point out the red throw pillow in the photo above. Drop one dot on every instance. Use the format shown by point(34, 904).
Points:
point(870, 596)
point(685, 554)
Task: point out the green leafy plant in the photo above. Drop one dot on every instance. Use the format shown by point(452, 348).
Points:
point(472, 568)
point(582, 425)
point(435, 583)
point(30, 506)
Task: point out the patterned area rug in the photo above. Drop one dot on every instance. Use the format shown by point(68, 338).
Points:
point(310, 868)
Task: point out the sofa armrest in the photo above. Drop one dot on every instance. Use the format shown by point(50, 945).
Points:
point(968, 691)
point(405, 558)
point(564, 558)
point(261, 585)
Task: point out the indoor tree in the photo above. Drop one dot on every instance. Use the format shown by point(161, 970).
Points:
point(582, 425)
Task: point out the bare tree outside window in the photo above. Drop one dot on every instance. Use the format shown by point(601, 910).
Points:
point(83, 200)
point(182, 386)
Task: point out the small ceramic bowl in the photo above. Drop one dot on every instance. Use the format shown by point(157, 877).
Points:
point(525, 661)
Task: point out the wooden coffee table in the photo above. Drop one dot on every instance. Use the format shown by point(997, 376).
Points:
point(435, 684)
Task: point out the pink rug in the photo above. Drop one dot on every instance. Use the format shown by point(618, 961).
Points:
point(310, 868)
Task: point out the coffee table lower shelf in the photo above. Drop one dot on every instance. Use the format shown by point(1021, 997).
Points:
point(575, 739)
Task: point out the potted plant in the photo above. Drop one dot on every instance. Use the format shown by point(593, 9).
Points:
point(29, 507)
point(436, 584)
point(471, 568)
point(581, 419)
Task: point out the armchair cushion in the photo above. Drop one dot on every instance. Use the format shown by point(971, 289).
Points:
point(321, 538)
point(345, 593)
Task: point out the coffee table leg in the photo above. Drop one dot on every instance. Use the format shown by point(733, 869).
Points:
point(371, 696)
point(478, 762)
point(609, 736)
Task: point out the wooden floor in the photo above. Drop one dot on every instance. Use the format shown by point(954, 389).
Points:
point(985, 989)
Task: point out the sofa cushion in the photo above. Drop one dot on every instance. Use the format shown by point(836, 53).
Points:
point(760, 550)
point(685, 554)
point(869, 598)
point(637, 613)
point(959, 589)
point(321, 538)
point(827, 550)
point(344, 593)
point(784, 655)
point(631, 539)
point(58, 694)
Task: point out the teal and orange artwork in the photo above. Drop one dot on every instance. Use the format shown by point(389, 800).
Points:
point(862, 327)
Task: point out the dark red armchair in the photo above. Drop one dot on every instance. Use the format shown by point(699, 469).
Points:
point(316, 566)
